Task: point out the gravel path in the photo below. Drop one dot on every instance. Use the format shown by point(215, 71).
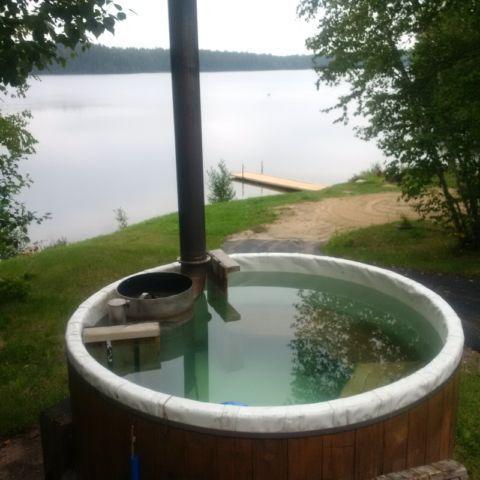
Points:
point(318, 221)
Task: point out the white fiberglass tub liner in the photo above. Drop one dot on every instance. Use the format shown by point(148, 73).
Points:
point(292, 418)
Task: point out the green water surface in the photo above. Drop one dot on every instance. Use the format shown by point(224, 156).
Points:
point(280, 339)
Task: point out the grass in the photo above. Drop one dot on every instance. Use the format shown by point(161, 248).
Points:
point(32, 363)
point(467, 449)
point(421, 247)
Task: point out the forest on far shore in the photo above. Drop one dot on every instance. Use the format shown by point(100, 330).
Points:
point(102, 59)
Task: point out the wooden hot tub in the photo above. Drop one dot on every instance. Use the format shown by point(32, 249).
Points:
point(406, 423)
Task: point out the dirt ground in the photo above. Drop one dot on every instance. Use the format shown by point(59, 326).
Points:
point(21, 457)
point(318, 221)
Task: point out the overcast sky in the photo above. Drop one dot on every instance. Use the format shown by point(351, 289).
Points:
point(262, 26)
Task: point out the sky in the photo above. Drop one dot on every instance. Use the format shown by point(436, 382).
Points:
point(260, 26)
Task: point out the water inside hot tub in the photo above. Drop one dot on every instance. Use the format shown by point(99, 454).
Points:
point(280, 339)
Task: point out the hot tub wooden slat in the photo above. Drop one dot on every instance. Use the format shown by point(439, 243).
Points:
point(435, 425)
point(150, 441)
point(395, 443)
point(304, 458)
point(338, 456)
point(199, 455)
point(449, 420)
point(174, 453)
point(270, 459)
point(244, 449)
point(456, 390)
point(233, 459)
point(369, 451)
point(417, 435)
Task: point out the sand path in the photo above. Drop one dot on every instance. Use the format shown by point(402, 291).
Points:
point(318, 221)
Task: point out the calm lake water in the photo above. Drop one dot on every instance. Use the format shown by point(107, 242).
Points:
point(106, 141)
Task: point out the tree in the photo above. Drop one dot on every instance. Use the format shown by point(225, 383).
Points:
point(32, 30)
point(14, 217)
point(33, 35)
point(220, 184)
point(414, 72)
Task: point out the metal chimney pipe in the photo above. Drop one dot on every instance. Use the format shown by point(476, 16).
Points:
point(188, 131)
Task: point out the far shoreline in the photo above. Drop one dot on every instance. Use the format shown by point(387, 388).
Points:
point(77, 74)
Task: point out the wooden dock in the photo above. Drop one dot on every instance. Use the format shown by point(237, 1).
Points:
point(276, 183)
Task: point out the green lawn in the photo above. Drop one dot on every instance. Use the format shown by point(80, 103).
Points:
point(32, 364)
point(422, 247)
point(467, 448)
point(425, 247)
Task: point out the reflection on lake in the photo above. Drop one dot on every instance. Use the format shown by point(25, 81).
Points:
point(106, 141)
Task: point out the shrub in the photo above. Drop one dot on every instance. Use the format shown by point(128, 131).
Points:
point(375, 171)
point(13, 289)
point(220, 184)
point(121, 218)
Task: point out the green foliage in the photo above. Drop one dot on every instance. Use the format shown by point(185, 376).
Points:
point(414, 73)
point(30, 33)
point(30, 36)
point(121, 218)
point(375, 171)
point(15, 218)
point(13, 289)
point(220, 184)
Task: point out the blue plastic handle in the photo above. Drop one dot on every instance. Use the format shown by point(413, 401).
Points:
point(135, 467)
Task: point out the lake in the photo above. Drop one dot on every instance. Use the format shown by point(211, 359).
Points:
point(106, 141)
